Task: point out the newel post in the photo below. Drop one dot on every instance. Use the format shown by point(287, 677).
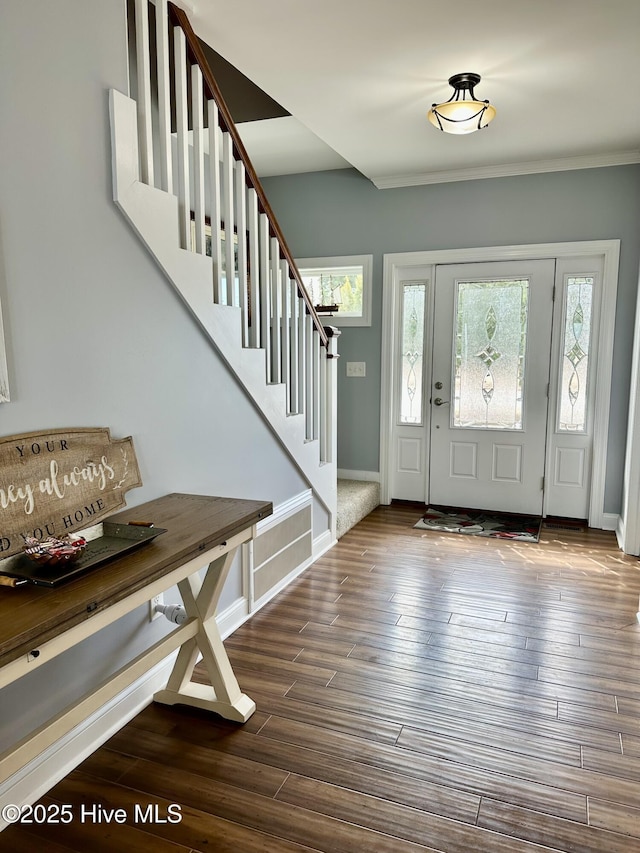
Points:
point(329, 450)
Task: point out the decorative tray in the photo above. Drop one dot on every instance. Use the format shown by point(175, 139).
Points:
point(105, 541)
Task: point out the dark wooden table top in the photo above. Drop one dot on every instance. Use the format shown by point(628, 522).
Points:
point(31, 615)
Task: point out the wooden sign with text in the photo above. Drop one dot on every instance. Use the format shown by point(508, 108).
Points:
point(60, 481)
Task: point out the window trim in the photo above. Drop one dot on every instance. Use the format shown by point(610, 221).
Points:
point(327, 263)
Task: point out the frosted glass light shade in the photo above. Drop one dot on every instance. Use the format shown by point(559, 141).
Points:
point(461, 116)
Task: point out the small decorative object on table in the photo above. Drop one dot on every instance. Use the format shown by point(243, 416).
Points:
point(52, 551)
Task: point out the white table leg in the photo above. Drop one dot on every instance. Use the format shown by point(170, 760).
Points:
point(223, 696)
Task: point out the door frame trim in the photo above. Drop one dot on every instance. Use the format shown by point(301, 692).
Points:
point(608, 249)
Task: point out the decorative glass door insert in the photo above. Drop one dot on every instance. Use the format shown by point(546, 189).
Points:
point(490, 348)
point(575, 347)
point(411, 361)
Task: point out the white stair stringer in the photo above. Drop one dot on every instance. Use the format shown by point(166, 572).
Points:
point(153, 214)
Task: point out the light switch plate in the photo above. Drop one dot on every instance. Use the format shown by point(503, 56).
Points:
point(357, 368)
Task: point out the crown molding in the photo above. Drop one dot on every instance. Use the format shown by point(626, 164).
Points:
point(532, 167)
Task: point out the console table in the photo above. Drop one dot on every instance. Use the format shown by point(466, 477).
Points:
point(37, 623)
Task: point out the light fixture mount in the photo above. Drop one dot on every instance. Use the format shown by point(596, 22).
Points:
point(465, 81)
point(463, 112)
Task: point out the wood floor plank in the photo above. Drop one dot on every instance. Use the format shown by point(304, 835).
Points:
point(607, 815)
point(108, 765)
point(630, 744)
point(298, 669)
point(620, 642)
point(566, 834)
point(625, 766)
point(627, 705)
point(586, 681)
point(610, 720)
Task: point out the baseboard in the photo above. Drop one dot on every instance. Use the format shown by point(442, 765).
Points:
point(233, 617)
point(620, 533)
point(322, 544)
point(610, 521)
point(41, 774)
point(367, 476)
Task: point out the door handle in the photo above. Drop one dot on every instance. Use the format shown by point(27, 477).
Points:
point(440, 402)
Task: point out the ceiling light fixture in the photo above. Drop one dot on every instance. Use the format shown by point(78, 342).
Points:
point(462, 113)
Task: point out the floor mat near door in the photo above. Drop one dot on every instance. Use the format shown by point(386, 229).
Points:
point(500, 525)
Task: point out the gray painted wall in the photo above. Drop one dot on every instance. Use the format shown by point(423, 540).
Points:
point(342, 213)
point(96, 336)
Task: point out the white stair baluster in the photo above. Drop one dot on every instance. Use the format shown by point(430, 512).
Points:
point(254, 254)
point(214, 195)
point(164, 91)
point(324, 449)
point(302, 356)
point(265, 288)
point(241, 231)
point(228, 217)
point(316, 346)
point(294, 359)
point(285, 353)
point(308, 371)
point(276, 312)
point(184, 206)
point(143, 65)
point(197, 106)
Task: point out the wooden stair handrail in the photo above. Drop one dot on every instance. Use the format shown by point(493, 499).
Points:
point(179, 18)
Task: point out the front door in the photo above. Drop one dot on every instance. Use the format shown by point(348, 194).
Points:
point(490, 384)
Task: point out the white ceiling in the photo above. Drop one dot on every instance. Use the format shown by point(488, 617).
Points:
point(359, 76)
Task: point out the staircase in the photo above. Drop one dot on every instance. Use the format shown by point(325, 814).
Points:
point(183, 180)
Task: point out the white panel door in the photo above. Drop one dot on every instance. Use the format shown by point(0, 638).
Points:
point(489, 394)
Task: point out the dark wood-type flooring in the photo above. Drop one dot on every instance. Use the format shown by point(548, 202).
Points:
point(416, 691)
